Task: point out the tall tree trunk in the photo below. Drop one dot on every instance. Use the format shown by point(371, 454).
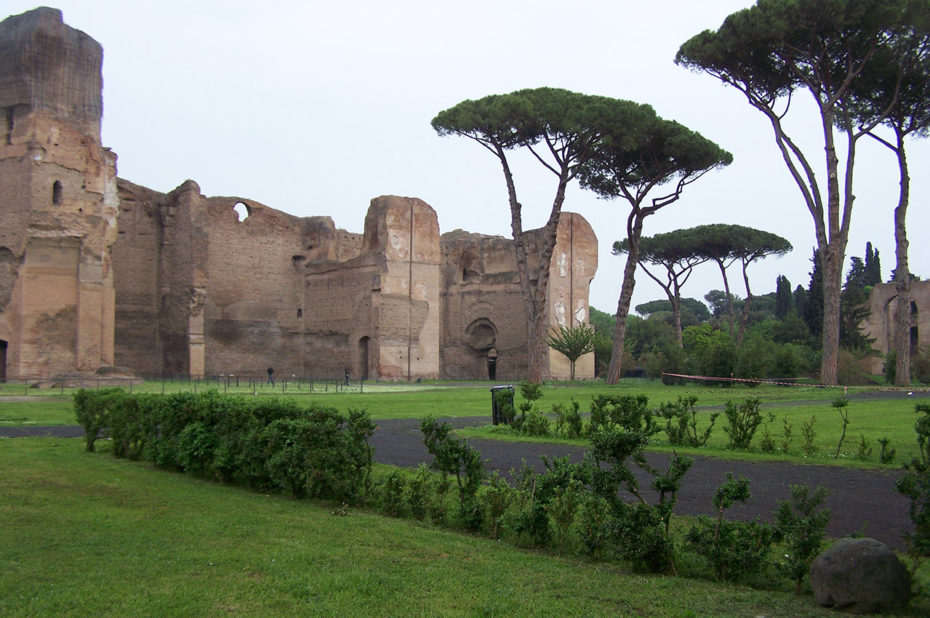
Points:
point(832, 258)
point(676, 316)
point(744, 316)
point(635, 230)
point(535, 297)
point(726, 290)
point(902, 279)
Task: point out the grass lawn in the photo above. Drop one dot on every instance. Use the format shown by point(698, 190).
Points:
point(89, 534)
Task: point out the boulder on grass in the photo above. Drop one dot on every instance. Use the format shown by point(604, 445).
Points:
point(860, 576)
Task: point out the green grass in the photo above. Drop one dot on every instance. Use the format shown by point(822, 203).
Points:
point(38, 411)
point(88, 534)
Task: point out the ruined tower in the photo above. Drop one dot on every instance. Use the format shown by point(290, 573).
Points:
point(58, 203)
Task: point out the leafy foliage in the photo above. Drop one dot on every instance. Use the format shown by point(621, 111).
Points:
point(681, 422)
point(743, 420)
point(266, 444)
point(915, 486)
point(573, 343)
point(802, 528)
point(456, 457)
point(735, 549)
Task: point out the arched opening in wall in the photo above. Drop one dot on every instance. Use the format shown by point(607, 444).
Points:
point(481, 336)
point(56, 193)
point(3, 347)
point(363, 358)
point(242, 211)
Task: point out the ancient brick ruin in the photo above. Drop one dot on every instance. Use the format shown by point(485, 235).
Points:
point(97, 271)
point(883, 310)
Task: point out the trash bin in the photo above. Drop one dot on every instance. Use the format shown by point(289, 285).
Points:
point(502, 404)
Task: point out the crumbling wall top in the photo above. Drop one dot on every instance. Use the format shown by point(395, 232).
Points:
point(45, 65)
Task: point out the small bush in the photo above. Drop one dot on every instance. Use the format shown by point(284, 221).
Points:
point(864, 449)
point(630, 412)
point(568, 423)
point(802, 528)
point(888, 453)
point(734, 549)
point(391, 494)
point(681, 422)
point(809, 434)
point(743, 420)
point(418, 492)
point(767, 442)
point(496, 499)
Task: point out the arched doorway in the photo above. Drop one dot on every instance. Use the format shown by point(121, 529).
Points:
point(3, 347)
point(481, 336)
point(363, 358)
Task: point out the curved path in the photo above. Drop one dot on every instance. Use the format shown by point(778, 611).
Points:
point(862, 501)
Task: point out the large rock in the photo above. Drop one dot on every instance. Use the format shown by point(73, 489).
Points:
point(861, 576)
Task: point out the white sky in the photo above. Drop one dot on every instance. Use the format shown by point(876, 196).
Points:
point(314, 108)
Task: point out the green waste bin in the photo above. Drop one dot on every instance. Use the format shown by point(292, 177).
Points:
point(501, 404)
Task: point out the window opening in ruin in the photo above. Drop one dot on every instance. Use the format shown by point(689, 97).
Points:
point(3, 346)
point(242, 211)
point(363, 358)
point(913, 308)
point(300, 312)
point(9, 125)
point(492, 364)
point(56, 192)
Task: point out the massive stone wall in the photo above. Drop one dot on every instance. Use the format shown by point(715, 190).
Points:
point(97, 271)
point(58, 203)
point(483, 320)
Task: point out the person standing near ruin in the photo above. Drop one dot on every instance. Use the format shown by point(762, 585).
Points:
point(271, 376)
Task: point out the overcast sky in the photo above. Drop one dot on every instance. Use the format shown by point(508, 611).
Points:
point(315, 108)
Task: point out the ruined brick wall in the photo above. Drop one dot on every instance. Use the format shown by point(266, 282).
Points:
point(95, 271)
point(571, 270)
point(483, 319)
point(880, 325)
point(255, 313)
point(136, 261)
point(58, 203)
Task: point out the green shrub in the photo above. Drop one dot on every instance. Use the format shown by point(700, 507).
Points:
point(887, 455)
point(809, 434)
point(864, 449)
point(743, 421)
point(915, 486)
point(391, 493)
point(266, 444)
point(93, 409)
point(418, 492)
point(681, 422)
point(890, 368)
point(568, 423)
point(734, 549)
point(456, 457)
point(535, 424)
point(630, 412)
point(767, 442)
point(496, 499)
point(801, 527)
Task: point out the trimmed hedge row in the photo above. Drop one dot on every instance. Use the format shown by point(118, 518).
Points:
point(265, 444)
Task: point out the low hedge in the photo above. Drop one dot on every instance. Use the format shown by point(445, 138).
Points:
point(265, 444)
